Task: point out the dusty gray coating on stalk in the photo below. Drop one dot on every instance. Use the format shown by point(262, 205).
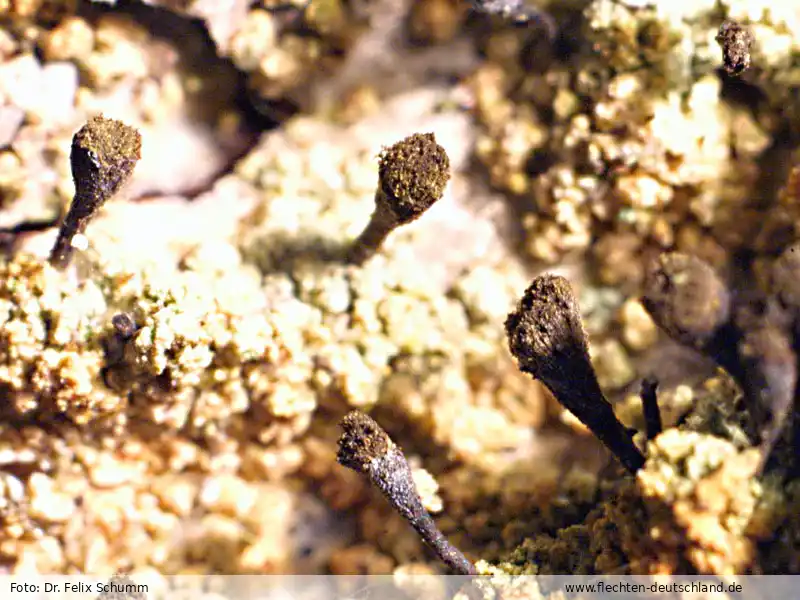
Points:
point(366, 448)
point(786, 279)
point(546, 336)
point(412, 177)
point(770, 379)
point(103, 156)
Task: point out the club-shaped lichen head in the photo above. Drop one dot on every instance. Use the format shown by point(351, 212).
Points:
point(412, 175)
point(545, 332)
point(103, 156)
point(546, 336)
point(104, 153)
point(686, 298)
point(362, 441)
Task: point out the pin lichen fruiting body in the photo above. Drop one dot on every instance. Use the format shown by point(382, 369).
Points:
point(689, 301)
point(412, 176)
point(546, 335)
point(366, 448)
point(103, 156)
point(694, 306)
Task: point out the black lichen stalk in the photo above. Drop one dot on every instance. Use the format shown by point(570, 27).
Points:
point(366, 448)
point(9, 236)
point(103, 156)
point(652, 413)
point(546, 335)
point(412, 176)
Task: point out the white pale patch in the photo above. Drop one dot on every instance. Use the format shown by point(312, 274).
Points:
point(79, 242)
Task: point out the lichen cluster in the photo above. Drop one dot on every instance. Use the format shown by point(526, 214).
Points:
point(228, 355)
point(344, 206)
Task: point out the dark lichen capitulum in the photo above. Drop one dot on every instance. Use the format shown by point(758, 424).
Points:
point(412, 177)
point(736, 42)
point(362, 441)
point(686, 299)
point(124, 325)
point(103, 156)
point(546, 335)
point(366, 448)
point(690, 303)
